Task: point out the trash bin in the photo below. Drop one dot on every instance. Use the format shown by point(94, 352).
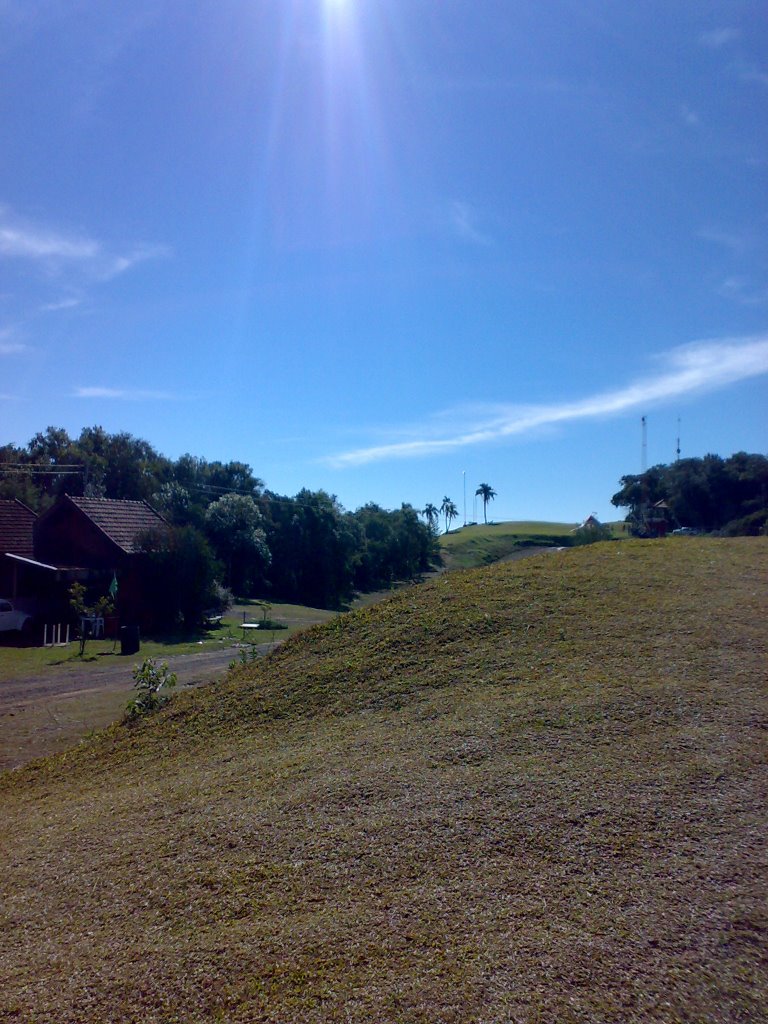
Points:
point(129, 639)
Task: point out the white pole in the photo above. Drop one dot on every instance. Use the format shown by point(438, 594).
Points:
point(45, 635)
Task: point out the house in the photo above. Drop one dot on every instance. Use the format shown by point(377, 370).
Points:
point(590, 523)
point(658, 519)
point(16, 544)
point(16, 522)
point(97, 540)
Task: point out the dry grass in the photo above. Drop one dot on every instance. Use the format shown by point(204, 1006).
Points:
point(529, 793)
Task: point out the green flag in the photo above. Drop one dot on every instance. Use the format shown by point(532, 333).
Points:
point(113, 587)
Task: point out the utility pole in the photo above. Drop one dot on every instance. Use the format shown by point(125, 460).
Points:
point(642, 525)
point(677, 450)
point(644, 445)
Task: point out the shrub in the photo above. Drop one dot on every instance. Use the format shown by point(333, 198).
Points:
point(179, 577)
point(591, 534)
point(754, 525)
point(150, 679)
point(222, 598)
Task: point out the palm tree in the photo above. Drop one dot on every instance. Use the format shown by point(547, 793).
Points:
point(449, 510)
point(431, 513)
point(487, 493)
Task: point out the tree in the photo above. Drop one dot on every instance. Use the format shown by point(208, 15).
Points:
point(706, 494)
point(179, 577)
point(432, 514)
point(173, 502)
point(234, 526)
point(487, 493)
point(316, 547)
point(120, 465)
point(450, 511)
point(394, 545)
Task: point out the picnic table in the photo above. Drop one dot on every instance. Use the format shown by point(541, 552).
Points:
point(249, 626)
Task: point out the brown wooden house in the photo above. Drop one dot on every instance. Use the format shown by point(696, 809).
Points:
point(100, 539)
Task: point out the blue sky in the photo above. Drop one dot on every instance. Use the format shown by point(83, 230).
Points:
point(384, 246)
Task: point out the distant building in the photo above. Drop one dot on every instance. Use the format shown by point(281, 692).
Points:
point(590, 523)
point(658, 519)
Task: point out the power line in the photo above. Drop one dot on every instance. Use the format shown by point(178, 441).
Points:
point(19, 469)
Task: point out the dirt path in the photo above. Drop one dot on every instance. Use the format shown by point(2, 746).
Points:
point(48, 712)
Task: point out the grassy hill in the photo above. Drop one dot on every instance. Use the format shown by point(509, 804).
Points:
point(532, 792)
point(468, 547)
point(482, 544)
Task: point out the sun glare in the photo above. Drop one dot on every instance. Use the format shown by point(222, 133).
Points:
point(336, 10)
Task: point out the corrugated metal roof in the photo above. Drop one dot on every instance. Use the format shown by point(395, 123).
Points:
point(121, 520)
point(16, 522)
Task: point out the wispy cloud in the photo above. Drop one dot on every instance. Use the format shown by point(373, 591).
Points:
point(119, 263)
point(736, 241)
point(751, 73)
point(464, 222)
point(716, 38)
point(54, 307)
point(741, 68)
point(123, 394)
point(72, 262)
point(700, 366)
point(9, 342)
point(10, 348)
point(69, 252)
point(689, 116)
point(742, 290)
point(34, 244)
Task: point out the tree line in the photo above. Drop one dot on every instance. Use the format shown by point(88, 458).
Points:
point(225, 527)
point(709, 494)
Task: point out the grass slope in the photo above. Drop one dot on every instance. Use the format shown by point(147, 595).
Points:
point(472, 546)
point(529, 793)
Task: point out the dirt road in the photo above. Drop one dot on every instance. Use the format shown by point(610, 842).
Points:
point(46, 713)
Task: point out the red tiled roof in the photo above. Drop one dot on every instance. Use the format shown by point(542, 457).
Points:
point(121, 520)
point(16, 521)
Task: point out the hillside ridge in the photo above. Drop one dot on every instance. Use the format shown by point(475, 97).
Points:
point(532, 792)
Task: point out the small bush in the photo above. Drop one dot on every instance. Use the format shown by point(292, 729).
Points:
point(591, 534)
point(223, 598)
point(150, 679)
point(754, 525)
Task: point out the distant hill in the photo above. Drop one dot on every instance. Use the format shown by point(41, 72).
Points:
point(481, 544)
point(532, 791)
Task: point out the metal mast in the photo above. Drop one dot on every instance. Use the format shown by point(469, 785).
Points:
point(644, 445)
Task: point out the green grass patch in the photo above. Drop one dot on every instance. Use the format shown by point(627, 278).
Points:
point(20, 662)
point(471, 546)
